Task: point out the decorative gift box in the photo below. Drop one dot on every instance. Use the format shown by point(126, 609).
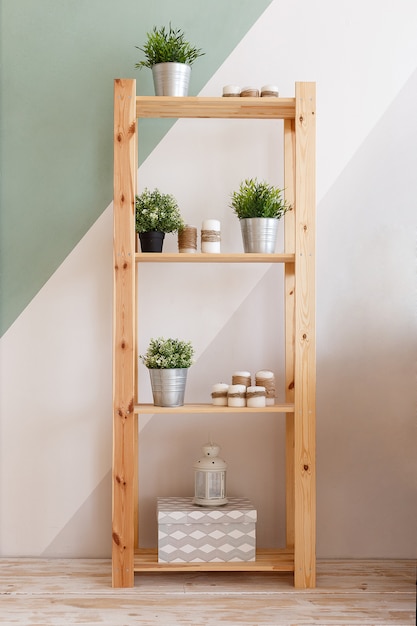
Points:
point(188, 533)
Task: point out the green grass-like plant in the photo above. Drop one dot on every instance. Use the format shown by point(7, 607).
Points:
point(167, 45)
point(168, 354)
point(258, 199)
point(157, 211)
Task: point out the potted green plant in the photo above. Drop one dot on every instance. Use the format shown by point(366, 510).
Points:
point(168, 361)
point(156, 214)
point(259, 206)
point(170, 57)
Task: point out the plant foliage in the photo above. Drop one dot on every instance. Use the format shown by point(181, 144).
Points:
point(258, 199)
point(167, 46)
point(168, 354)
point(157, 211)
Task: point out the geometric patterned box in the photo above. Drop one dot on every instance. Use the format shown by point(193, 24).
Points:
point(188, 533)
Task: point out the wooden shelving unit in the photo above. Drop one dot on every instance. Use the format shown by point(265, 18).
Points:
point(298, 115)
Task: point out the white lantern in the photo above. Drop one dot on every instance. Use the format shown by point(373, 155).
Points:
point(210, 477)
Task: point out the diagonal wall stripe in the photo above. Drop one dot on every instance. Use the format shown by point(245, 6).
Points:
point(59, 60)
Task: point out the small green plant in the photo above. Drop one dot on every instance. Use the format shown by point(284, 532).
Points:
point(258, 199)
point(167, 46)
point(157, 211)
point(168, 354)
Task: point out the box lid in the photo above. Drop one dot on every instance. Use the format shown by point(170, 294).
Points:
point(183, 511)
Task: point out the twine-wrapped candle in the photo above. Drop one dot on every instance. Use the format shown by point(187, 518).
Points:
point(210, 236)
point(236, 395)
point(255, 396)
point(249, 92)
point(241, 378)
point(265, 378)
point(231, 91)
point(187, 239)
point(219, 394)
point(269, 91)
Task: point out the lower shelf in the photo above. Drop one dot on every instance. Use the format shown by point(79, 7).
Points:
point(211, 408)
point(146, 560)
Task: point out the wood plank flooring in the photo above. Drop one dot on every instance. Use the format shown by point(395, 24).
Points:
point(43, 592)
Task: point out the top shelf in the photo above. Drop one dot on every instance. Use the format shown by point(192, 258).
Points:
point(226, 108)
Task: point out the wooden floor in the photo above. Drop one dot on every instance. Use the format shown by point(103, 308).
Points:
point(54, 592)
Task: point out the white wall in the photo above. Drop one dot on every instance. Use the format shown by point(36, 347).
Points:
point(55, 468)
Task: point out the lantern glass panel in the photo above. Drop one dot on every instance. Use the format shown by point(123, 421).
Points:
point(216, 486)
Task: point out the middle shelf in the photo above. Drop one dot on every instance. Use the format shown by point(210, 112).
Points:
point(204, 257)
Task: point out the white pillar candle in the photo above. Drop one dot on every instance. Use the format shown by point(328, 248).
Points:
point(219, 394)
point(255, 396)
point(241, 378)
point(210, 236)
point(266, 378)
point(236, 395)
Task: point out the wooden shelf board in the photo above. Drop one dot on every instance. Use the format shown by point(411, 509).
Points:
point(146, 560)
point(208, 107)
point(204, 257)
point(149, 409)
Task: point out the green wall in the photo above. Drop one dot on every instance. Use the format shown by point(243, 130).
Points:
point(58, 62)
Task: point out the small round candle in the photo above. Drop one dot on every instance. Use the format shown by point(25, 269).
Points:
point(219, 394)
point(270, 91)
point(241, 378)
point(266, 379)
point(236, 395)
point(231, 90)
point(210, 236)
point(248, 92)
point(255, 396)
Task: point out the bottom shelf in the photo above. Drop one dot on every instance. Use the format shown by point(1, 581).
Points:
point(146, 560)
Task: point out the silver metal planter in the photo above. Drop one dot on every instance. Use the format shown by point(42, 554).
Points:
point(259, 234)
point(168, 386)
point(171, 79)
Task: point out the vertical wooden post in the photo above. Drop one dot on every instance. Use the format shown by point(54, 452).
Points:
point(289, 290)
point(305, 343)
point(125, 173)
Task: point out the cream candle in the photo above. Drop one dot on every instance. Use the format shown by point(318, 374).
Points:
point(219, 394)
point(266, 378)
point(210, 236)
point(236, 395)
point(269, 91)
point(255, 396)
point(249, 92)
point(241, 378)
point(231, 90)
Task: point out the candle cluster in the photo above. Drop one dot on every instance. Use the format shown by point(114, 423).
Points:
point(210, 237)
point(266, 91)
point(242, 393)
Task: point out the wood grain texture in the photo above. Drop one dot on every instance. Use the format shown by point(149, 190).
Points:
point(58, 592)
point(150, 409)
point(305, 352)
point(198, 107)
point(204, 257)
point(289, 308)
point(125, 172)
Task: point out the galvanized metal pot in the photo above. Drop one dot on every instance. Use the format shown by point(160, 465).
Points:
point(259, 234)
point(171, 79)
point(168, 386)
